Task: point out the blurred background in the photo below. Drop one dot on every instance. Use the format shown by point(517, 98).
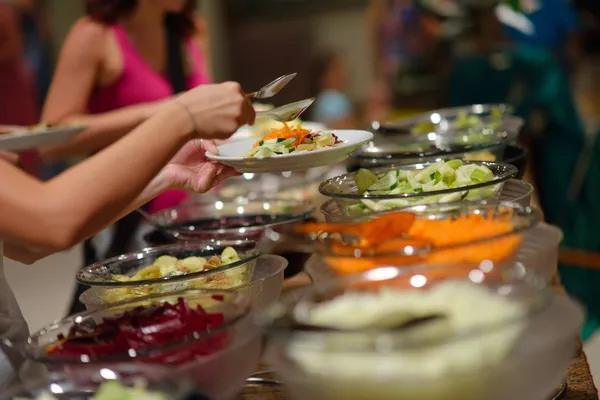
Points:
point(370, 60)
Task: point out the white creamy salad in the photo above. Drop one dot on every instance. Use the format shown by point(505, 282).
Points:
point(444, 368)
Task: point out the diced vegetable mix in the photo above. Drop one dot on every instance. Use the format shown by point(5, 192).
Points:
point(435, 177)
point(170, 266)
point(289, 140)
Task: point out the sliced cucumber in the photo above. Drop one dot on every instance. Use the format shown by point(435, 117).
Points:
point(385, 183)
point(364, 179)
point(264, 152)
point(356, 210)
point(371, 204)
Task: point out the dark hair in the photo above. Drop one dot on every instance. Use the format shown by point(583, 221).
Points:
point(319, 67)
point(111, 11)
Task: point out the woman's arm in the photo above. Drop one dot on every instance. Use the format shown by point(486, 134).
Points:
point(76, 76)
point(55, 215)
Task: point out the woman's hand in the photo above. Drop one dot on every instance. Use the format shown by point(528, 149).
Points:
point(190, 169)
point(218, 110)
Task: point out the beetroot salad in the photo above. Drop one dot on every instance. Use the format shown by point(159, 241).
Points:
point(166, 333)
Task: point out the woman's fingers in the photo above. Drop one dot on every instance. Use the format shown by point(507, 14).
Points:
point(209, 146)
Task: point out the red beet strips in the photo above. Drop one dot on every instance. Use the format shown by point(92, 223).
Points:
point(144, 329)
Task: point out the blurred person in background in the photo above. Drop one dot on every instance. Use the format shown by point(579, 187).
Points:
point(405, 40)
point(332, 107)
point(119, 64)
point(566, 166)
point(37, 43)
point(17, 92)
point(35, 28)
point(553, 24)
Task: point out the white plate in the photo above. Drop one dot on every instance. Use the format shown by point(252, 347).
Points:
point(24, 139)
point(232, 154)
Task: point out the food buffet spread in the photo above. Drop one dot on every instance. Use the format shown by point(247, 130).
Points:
point(430, 276)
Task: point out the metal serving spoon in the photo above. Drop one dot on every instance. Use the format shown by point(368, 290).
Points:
point(272, 88)
point(288, 112)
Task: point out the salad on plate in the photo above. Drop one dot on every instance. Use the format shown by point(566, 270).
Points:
point(287, 140)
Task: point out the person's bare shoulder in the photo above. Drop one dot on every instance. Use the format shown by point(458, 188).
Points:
point(87, 38)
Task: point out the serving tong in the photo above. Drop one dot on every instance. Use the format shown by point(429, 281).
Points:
point(285, 113)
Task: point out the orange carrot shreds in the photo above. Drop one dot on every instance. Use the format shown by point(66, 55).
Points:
point(497, 251)
point(285, 133)
point(371, 232)
point(465, 229)
point(467, 239)
point(352, 265)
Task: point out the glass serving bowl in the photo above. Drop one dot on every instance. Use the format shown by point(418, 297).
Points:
point(513, 190)
point(337, 254)
point(436, 117)
point(231, 350)
point(101, 275)
point(446, 142)
point(238, 218)
point(516, 342)
point(84, 384)
point(263, 285)
point(294, 185)
point(345, 191)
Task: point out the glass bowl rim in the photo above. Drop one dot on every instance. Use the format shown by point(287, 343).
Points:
point(323, 207)
point(148, 251)
point(237, 298)
point(236, 288)
point(307, 208)
point(509, 172)
point(512, 126)
point(447, 112)
point(290, 301)
point(532, 217)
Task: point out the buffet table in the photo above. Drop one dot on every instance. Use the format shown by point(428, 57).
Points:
point(580, 386)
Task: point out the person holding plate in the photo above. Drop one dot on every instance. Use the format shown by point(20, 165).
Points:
point(167, 151)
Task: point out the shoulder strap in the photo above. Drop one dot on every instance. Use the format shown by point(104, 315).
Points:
point(175, 69)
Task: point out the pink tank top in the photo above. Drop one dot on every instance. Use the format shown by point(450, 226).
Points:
point(139, 83)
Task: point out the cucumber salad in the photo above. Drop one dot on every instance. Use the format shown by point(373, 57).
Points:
point(464, 120)
point(435, 177)
point(281, 145)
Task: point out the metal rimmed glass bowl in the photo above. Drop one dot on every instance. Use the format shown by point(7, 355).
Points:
point(101, 275)
point(345, 191)
point(435, 117)
point(483, 144)
point(295, 185)
point(84, 384)
point(521, 354)
point(238, 218)
point(232, 349)
point(336, 253)
point(513, 190)
point(263, 285)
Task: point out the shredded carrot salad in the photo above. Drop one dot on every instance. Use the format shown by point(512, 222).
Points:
point(285, 133)
point(430, 239)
